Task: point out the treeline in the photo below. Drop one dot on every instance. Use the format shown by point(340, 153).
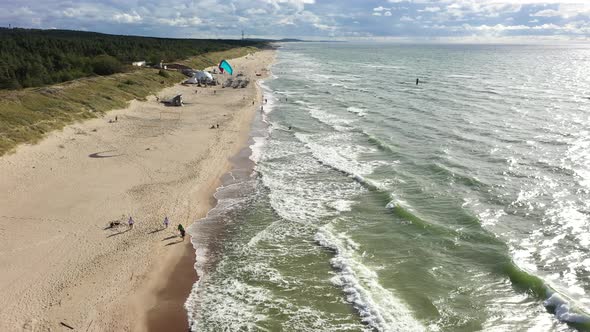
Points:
point(41, 57)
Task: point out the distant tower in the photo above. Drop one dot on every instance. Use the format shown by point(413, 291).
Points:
point(242, 34)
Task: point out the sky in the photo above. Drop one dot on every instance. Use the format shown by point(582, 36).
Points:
point(402, 20)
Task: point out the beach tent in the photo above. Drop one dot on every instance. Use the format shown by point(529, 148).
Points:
point(200, 77)
point(203, 76)
point(192, 80)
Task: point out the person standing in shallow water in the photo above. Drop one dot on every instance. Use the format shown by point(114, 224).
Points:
point(417, 81)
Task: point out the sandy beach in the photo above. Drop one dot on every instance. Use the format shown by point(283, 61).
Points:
point(61, 265)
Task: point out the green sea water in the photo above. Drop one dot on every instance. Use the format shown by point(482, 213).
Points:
point(458, 204)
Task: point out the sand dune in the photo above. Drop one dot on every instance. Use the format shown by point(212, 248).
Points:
point(58, 261)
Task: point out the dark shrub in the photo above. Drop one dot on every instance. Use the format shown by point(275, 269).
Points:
point(163, 73)
point(106, 65)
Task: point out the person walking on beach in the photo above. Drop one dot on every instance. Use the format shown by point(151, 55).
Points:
point(166, 222)
point(131, 222)
point(182, 231)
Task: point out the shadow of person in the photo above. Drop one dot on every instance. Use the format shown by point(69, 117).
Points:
point(119, 233)
point(169, 238)
point(101, 154)
point(156, 230)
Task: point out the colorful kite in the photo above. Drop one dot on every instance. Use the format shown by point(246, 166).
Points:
point(224, 66)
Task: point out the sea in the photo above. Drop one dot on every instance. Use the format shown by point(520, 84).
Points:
point(367, 202)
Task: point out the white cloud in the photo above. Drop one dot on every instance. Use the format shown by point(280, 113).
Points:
point(183, 22)
point(380, 9)
point(219, 18)
point(546, 13)
point(431, 9)
point(256, 11)
point(567, 10)
point(324, 27)
point(127, 18)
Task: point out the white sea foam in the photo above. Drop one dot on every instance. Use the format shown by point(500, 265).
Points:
point(235, 306)
point(564, 311)
point(378, 307)
point(257, 148)
point(227, 199)
point(297, 198)
point(341, 205)
point(398, 202)
point(337, 122)
point(358, 111)
point(260, 138)
point(332, 151)
point(381, 66)
point(460, 76)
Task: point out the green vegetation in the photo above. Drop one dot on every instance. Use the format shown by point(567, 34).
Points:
point(27, 115)
point(106, 65)
point(163, 73)
point(33, 58)
point(205, 60)
point(42, 57)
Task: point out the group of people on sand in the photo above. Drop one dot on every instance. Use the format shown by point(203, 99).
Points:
point(131, 222)
point(180, 227)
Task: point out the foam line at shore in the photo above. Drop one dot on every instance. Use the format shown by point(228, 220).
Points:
point(377, 306)
point(234, 193)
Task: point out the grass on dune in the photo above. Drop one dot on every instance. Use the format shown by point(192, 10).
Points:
point(27, 115)
point(213, 58)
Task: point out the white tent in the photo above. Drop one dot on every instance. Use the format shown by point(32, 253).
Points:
point(200, 77)
point(203, 75)
point(192, 80)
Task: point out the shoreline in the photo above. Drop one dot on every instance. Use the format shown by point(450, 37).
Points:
point(174, 281)
point(64, 265)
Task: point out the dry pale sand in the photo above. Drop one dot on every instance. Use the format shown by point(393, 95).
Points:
point(59, 263)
